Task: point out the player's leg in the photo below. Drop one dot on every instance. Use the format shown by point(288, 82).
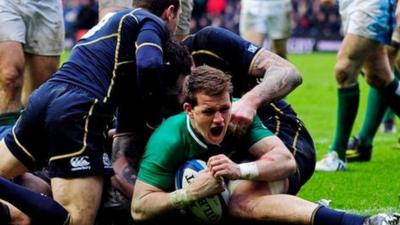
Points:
point(10, 166)
point(379, 75)
point(44, 43)
point(33, 183)
point(279, 47)
point(79, 196)
point(252, 24)
point(38, 69)
point(11, 78)
point(12, 38)
point(183, 28)
point(253, 37)
point(77, 162)
point(360, 146)
point(279, 26)
point(265, 201)
point(252, 201)
point(9, 214)
point(34, 205)
point(388, 122)
point(392, 95)
point(24, 145)
point(353, 52)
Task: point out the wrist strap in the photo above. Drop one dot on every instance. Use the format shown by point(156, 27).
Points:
point(248, 171)
point(180, 198)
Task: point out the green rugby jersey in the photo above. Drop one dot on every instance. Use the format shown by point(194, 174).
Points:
point(175, 142)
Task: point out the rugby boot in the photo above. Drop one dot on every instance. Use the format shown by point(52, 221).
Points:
point(383, 219)
point(357, 151)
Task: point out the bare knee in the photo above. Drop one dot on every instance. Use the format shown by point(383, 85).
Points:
point(378, 74)
point(79, 196)
point(345, 73)
point(375, 80)
point(11, 78)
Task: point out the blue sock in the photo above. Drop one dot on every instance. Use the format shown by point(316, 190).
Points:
point(40, 208)
point(327, 216)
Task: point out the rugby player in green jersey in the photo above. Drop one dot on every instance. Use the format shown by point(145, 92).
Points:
point(260, 188)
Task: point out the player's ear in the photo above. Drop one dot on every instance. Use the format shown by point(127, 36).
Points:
point(169, 13)
point(188, 109)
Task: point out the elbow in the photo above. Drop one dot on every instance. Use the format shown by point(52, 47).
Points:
point(136, 213)
point(294, 76)
point(291, 165)
point(152, 63)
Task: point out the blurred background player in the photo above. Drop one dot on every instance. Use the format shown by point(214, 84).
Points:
point(267, 18)
point(31, 42)
point(378, 112)
point(367, 26)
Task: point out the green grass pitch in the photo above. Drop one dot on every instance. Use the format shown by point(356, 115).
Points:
point(365, 187)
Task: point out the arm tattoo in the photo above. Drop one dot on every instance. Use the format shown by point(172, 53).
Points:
point(129, 174)
point(279, 76)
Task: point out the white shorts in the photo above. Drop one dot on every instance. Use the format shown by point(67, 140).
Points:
point(185, 18)
point(372, 19)
point(268, 17)
point(37, 24)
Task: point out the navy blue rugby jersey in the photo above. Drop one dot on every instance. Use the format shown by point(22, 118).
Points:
point(109, 58)
point(225, 50)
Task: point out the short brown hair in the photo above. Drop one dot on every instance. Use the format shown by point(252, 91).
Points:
point(206, 79)
point(156, 7)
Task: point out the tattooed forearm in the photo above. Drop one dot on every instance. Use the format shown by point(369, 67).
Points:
point(279, 76)
point(129, 174)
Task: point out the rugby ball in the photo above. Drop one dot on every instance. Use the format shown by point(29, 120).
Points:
point(208, 210)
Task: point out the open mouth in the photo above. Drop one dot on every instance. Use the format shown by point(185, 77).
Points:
point(216, 131)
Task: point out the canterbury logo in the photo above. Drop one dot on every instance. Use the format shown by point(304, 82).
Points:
point(80, 163)
point(252, 48)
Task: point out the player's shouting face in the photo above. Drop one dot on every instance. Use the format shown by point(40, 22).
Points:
point(211, 115)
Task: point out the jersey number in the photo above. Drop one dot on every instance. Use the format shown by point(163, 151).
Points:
point(98, 26)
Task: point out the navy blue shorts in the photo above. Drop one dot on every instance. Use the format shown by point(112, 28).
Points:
point(62, 127)
point(280, 118)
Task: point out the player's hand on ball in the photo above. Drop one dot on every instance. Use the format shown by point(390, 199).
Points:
point(222, 166)
point(205, 185)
